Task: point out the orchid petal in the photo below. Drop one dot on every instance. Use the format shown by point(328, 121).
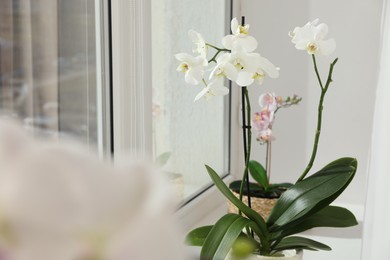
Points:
point(269, 68)
point(234, 26)
point(193, 76)
point(230, 71)
point(327, 47)
point(244, 78)
point(321, 31)
point(227, 42)
point(185, 57)
point(201, 94)
point(249, 43)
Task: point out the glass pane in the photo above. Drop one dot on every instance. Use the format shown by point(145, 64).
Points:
point(48, 66)
point(189, 135)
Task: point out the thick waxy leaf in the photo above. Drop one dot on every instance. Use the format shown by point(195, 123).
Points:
point(284, 185)
point(197, 236)
point(222, 236)
point(330, 216)
point(235, 186)
point(312, 194)
point(258, 173)
point(296, 242)
point(261, 228)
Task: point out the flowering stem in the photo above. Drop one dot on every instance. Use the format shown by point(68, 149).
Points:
point(215, 47)
point(316, 70)
point(319, 120)
point(219, 50)
point(268, 161)
point(247, 133)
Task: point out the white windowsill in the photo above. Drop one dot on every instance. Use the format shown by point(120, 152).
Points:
point(345, 243)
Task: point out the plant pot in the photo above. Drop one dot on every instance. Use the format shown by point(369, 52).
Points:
point(262, 201)
point(263, 206)
point(288, 255)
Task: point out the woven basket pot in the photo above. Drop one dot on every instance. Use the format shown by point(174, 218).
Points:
point(263, 206)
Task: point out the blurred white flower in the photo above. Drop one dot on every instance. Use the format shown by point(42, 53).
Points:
point(193, 67)
point(311, 37)
point(59, 201)
point(214, 88)
point(200, 44)
point(239, 38)
point(224, 68)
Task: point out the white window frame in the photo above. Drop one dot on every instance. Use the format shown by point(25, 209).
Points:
point(131, 37)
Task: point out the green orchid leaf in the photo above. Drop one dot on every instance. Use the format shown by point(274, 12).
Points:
point(312, 194)
point(197, 236)
point(330, 216)
point(284, 185)
point(235, 186)
point(222, 236)
point(258, 173)
point(250, 213)
point(295, 242)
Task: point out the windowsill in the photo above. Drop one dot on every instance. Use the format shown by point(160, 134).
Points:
point(345, 242)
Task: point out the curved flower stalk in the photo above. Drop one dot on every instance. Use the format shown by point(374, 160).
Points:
point(311, 37)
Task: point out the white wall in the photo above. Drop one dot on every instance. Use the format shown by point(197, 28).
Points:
point(348, 112)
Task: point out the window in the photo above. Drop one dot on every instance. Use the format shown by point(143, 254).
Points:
point(51, 72)
point(187, 135)
point(56, 73)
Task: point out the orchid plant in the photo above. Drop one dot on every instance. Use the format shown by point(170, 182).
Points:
point(304, 205)
point(262, 123)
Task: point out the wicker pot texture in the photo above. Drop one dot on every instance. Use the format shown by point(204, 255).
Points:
point(263, 206)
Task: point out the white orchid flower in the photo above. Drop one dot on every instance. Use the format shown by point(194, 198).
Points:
point(311, 37)
point(239, 38)
point(246, 65)
point(224, 68)
point(265, 68)
point(254, 68)
point(200, 44)
point(214, 88)
point(193, 67)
